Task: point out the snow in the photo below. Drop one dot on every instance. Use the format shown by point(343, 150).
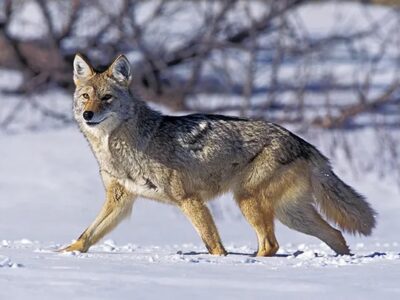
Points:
point(152, 272)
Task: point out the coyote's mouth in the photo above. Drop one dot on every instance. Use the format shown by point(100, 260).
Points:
point(94, 123)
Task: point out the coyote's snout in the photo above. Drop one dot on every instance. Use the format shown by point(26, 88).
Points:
point(189, 160)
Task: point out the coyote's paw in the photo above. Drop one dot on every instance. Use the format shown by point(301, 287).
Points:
point(218, 251)
point(270, 251)
point(79, 245)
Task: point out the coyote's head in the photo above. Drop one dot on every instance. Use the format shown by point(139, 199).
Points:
point(102, 99)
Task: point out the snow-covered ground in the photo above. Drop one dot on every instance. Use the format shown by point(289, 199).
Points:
point(50, 191)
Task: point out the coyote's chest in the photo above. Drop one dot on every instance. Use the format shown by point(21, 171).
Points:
point(106, 160)
point(129, 168)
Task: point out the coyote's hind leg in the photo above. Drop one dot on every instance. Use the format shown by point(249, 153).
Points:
point(302, 216)
point(260, 215)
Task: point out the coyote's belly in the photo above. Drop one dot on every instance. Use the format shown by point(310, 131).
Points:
point(146, 188)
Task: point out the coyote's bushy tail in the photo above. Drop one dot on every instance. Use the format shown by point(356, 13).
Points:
point(338, 201)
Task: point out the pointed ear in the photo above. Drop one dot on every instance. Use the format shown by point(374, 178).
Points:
point(120, 70)
point(82, 69)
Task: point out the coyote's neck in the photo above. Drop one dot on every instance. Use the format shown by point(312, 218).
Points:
point(140, 127)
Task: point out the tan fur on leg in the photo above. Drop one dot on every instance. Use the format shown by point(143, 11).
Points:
point(303, 217)
point(117, 206)
point(201, 218)
point(260, 216)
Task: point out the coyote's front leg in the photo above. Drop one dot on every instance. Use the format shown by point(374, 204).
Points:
point(117, 206)
point(201, 218)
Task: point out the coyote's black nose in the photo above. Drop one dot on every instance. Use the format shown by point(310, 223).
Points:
point(88, 115)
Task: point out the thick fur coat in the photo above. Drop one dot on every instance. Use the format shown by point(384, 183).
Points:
point(188, 160)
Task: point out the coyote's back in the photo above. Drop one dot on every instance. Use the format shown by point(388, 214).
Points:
point(188, 160)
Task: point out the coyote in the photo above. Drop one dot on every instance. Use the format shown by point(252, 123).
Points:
point(188, 160)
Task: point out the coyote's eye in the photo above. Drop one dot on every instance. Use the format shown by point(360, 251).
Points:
point(85, 95)
point(106, 97)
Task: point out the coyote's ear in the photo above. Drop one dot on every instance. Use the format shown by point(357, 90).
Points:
point(120, 69)
point(82, 69)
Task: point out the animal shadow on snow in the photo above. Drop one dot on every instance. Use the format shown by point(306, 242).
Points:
point(238, 253)
point(295, 254)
